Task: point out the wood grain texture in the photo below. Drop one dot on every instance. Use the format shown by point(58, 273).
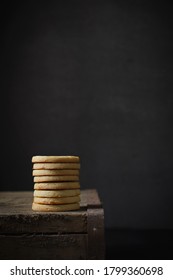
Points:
point(45, 247)
point(16, 216)
point(96, 244)
point(25, 234)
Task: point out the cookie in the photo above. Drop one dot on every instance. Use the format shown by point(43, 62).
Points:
point(55, 159)
point(56, 186)
point(55, 193)
point(55, 208)
point(55, 172)
point(56, 166)
point(56, 178)
point(62, 200)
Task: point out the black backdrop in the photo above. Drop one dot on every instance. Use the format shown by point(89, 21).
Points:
point(92, 79)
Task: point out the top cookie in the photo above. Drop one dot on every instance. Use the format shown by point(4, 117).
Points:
point(55, 159)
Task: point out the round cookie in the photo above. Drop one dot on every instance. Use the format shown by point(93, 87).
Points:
point(56, 166)
point(55, 159)
point(55, 193)
point(55, 172)
point(55, 208)
point(62, 200)
point(38, 179)
point(56, 186)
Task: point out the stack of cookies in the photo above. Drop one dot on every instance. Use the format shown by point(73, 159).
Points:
point(56, 183)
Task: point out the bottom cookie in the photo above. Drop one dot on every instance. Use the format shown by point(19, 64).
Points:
point(55, 208)
point(52, 201)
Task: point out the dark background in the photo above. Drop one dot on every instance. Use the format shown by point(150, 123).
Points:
point(93, 79)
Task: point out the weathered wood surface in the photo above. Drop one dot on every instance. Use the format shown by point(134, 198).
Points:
point(20, 202)
point(90, 199)
point(96, 244)
point(17, 216)
point(25, 234)
point(73, 246)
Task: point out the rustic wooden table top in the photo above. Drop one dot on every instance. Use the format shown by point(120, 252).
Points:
point(50, 235)
point(17, 216)
point(20, 202)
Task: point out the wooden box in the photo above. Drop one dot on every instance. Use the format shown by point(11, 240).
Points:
point(25, 234)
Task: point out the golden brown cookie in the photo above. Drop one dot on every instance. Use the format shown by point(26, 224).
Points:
point(61, 200)
point(55, 172)
point(55, 159)
point(55, 208)
point(56, 166)
point(56, 193)
point(57, 186)
point(38, 179)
